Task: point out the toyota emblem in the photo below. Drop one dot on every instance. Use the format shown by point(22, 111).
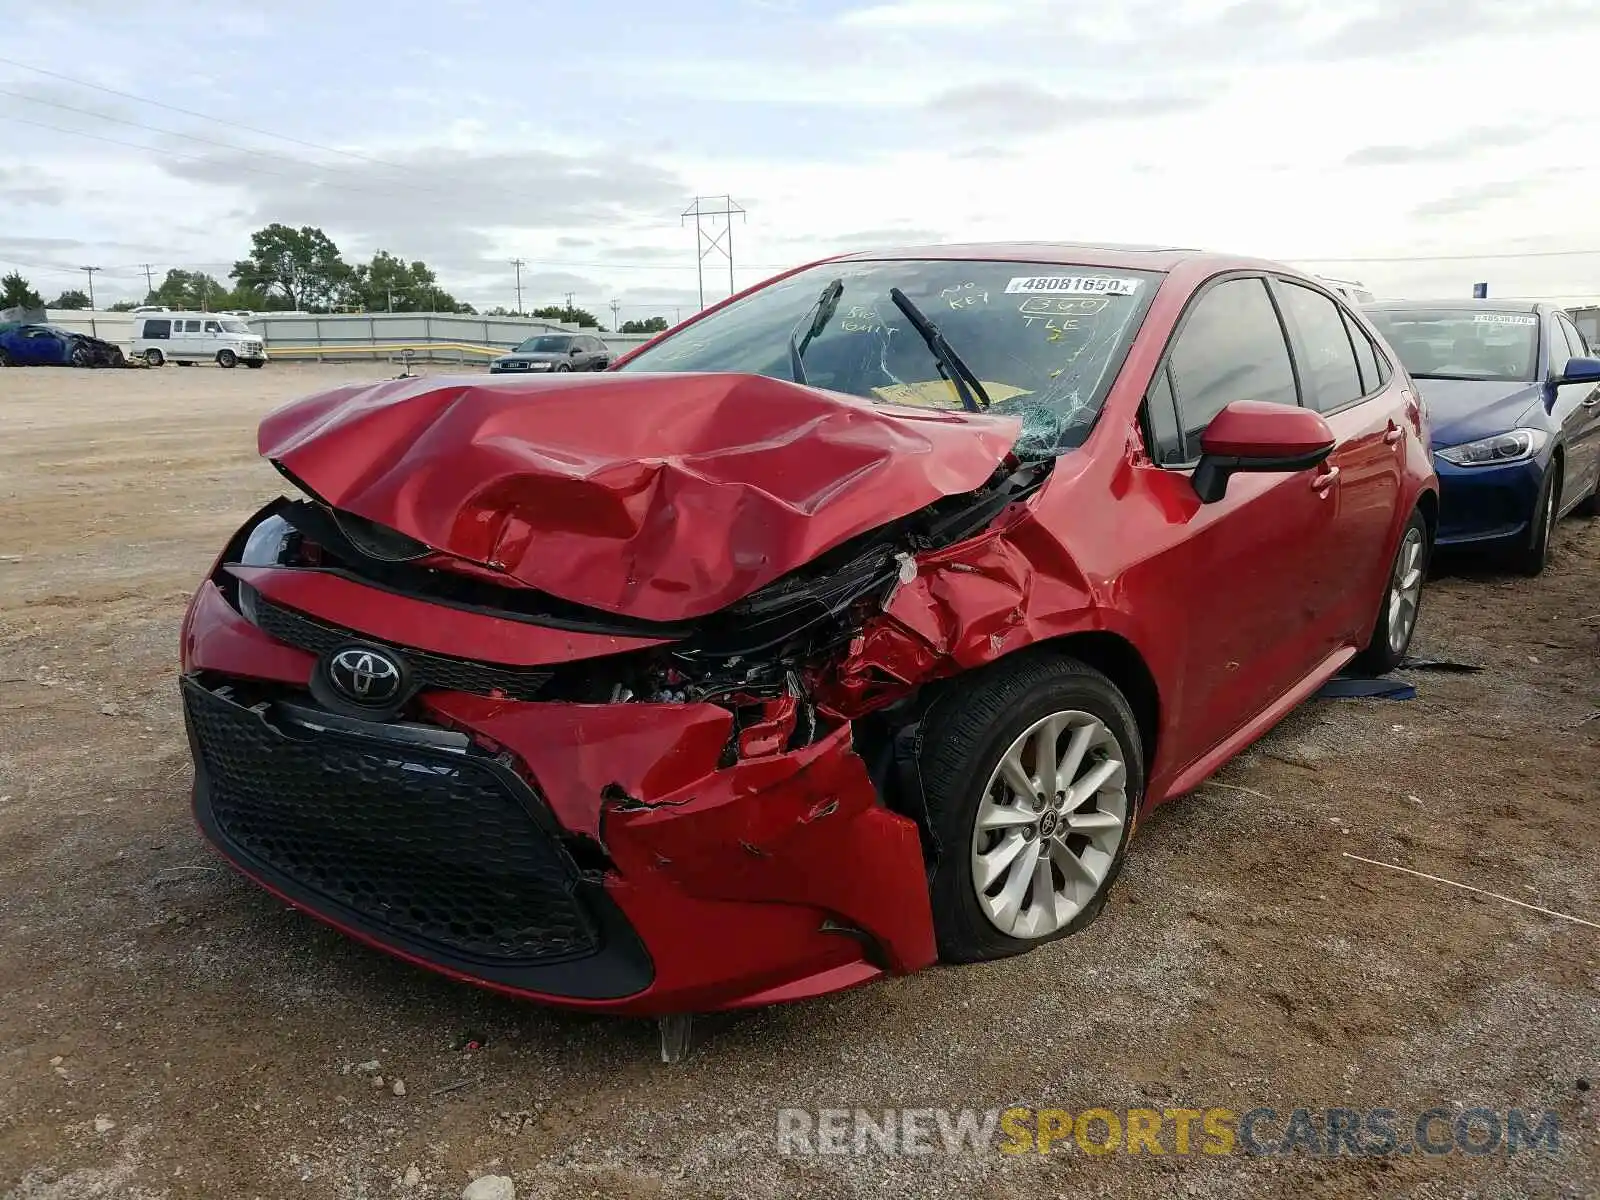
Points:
point(364, 676)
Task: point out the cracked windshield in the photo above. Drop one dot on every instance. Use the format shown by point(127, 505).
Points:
point(1038, 341)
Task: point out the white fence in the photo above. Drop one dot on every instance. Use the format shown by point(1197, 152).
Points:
point(342, 337)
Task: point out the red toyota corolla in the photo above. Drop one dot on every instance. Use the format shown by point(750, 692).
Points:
point(847, 627)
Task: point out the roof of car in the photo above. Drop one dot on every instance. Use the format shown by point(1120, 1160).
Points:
point(1519, 306)
point(1082, 254)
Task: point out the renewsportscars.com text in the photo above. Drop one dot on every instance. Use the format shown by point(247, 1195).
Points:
point(1321, 1132)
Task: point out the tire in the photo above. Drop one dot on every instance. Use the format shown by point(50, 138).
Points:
point(255, 364)
point(5, 359)
point(154, 357)
point(987, 717)
point(81, 356)
point(562, 367)
point(227, 358)
point(1402, 601)
point(1532, 558)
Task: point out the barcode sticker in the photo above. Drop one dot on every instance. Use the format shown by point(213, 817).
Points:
point(1073, 285)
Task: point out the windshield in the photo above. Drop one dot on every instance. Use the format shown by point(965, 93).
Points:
point(548, 344)
point(1045, 340)
point(1446, 343)
point(235, 327)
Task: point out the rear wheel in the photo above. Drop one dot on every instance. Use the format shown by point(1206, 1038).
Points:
point(1533, 556)
point(227, 358)
point(1033, 774)
point(1402, 599)
point(154, 357)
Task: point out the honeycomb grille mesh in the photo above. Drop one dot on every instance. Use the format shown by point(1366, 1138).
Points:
point(426, 843)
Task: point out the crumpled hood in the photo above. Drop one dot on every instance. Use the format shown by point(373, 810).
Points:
point(663, 497)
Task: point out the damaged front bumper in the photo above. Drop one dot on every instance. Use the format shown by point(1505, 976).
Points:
point(643, 858)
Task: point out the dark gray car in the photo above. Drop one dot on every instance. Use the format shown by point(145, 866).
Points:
point(555, 352)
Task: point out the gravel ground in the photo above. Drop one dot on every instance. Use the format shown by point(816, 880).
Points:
point(168, 1031)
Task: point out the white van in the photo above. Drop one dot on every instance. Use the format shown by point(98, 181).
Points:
point(186, 338)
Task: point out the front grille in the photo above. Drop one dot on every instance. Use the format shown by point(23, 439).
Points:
point(429, 670)
point(436, 846)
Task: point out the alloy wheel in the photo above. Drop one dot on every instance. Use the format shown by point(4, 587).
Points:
point(1049, 824)
point(1405, 589)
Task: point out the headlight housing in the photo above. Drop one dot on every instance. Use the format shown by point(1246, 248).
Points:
point(1513, 446)
point(267, 546)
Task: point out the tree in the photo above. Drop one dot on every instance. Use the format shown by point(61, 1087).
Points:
point(648, 325)
point(71, 299)
point(302, 266)
point(192, 290)
point(572, 316)
point(17, 292)
point(122, 306)
point(390, 284)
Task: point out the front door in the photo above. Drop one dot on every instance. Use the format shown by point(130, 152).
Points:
point(1251, 567)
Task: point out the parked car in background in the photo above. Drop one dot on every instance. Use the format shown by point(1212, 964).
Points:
point(1355, 293)
point(555, 352)
point(188, 338)
point(1513, 395)
point(847, 626)
point(25, 344)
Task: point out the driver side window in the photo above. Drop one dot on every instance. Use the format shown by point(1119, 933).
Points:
point(1230, 346)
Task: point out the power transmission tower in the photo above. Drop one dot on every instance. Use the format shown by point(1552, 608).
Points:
point(721, 240)
point(568, 313)
point(518, 264)
point(616, 308)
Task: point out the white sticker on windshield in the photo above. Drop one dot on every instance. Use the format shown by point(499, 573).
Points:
point(1505, 318)
point(1073, 285)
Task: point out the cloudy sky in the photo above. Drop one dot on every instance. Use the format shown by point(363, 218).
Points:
point(1440, 141)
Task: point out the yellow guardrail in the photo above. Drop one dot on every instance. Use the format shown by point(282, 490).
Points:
point(419, 348)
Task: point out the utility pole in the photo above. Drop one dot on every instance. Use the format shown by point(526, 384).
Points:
point(519, 264)
point(616, 308)
point(149, 279)
point(568, 313)
point(204, 293)
point(703, 210)
point(94, 329)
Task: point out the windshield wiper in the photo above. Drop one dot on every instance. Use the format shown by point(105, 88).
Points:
point(954, 371)
point(826, 304)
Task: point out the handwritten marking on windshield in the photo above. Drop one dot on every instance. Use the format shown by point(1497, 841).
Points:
point(963, 296)
point(1053, 306)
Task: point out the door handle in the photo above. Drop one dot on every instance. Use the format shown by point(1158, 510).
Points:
point(1323, 480)
point(1393, 434)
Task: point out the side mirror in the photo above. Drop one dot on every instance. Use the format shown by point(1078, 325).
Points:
point(1580, 370)
point(1251, 435)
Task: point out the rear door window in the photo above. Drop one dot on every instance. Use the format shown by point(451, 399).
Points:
point(1231, 348)
point(1327, 359)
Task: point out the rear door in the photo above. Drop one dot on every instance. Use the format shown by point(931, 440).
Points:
point(1248, 567)
point(1366, 413)
point(1578, 407)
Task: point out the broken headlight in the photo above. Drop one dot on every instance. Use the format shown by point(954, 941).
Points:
point(267, 546)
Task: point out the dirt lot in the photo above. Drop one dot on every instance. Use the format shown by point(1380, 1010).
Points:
point(168, 1031)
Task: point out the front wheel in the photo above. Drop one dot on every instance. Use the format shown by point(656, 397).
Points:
point(1402, 599)
point(227, 358)
point(154, 357)
point(82, 356)
point(1033, 774)
point(1533, 556)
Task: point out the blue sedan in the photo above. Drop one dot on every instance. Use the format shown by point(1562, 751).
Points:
point(24, 344)
point(1513, 399)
